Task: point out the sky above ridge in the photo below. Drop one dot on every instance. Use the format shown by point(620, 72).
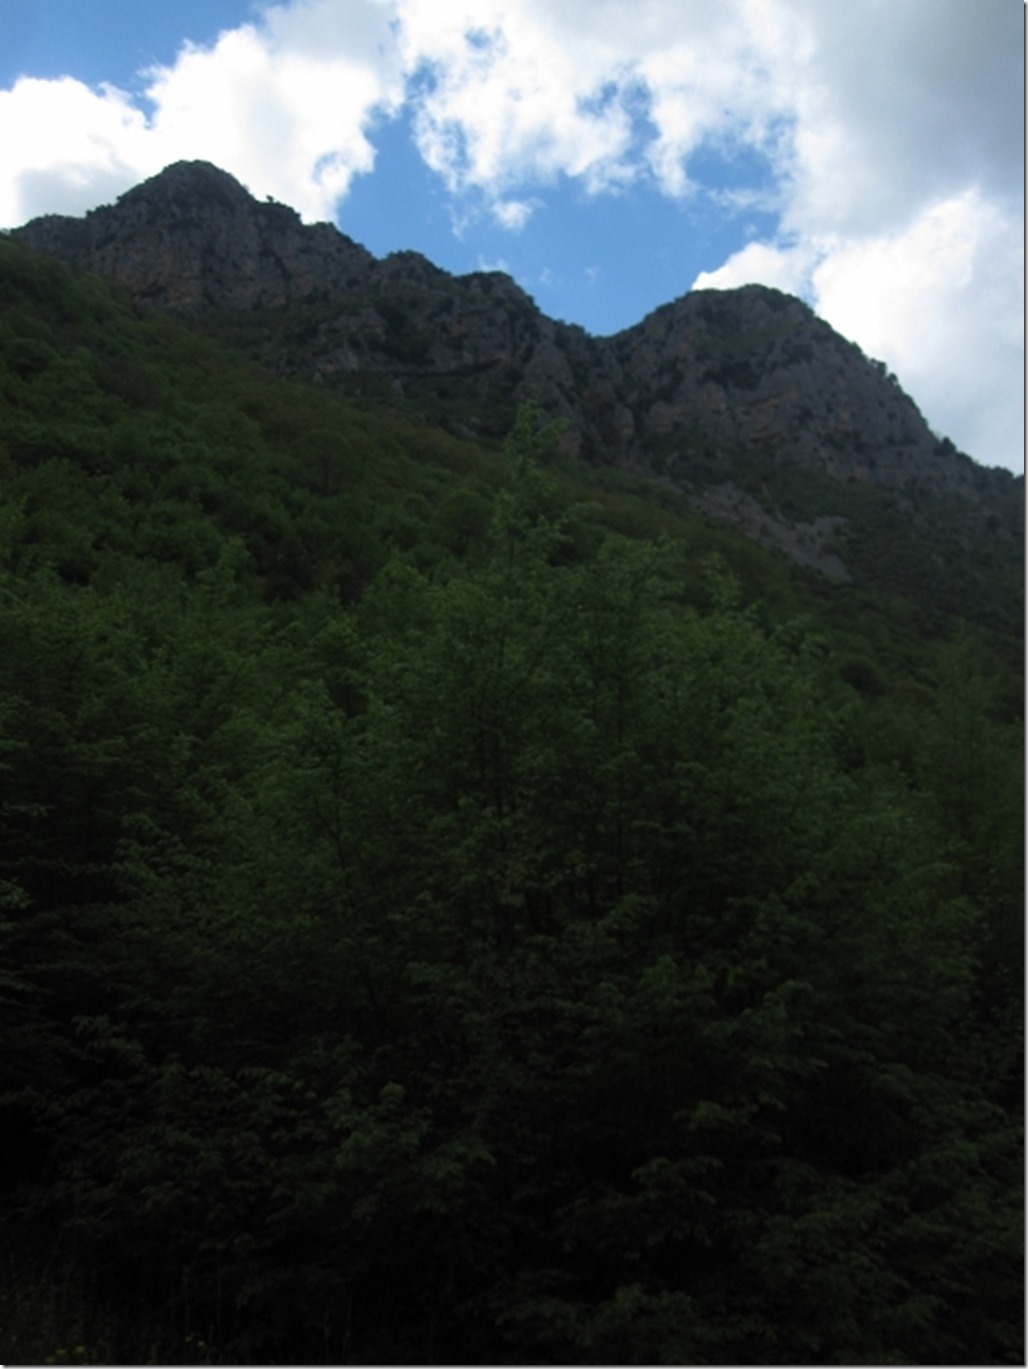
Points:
point(610, 155)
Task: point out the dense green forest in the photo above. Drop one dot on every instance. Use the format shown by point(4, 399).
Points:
point(458, 907)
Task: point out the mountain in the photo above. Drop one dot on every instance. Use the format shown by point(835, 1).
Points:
point(464, 901)
point(710, 393)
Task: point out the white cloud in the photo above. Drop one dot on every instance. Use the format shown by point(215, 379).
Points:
point(901, 103)
point(761, 263)
point(283, 104)
point(941, 302)
point(892, 129)
point(513, 214)
point(65, 147)
point(509, 92)
point(280, 112)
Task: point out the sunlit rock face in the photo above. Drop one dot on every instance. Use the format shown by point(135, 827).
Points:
point(707, 384)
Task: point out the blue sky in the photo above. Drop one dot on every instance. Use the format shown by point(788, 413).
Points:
point(609, 156)
point(105, 40)
point(584, 260)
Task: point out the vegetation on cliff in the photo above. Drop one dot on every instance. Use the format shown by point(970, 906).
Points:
point(462, 907)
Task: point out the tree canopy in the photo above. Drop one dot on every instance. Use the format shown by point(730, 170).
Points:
point(449, 916)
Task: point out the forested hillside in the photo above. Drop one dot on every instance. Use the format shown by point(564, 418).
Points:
point(461, 906)
point(741, 399)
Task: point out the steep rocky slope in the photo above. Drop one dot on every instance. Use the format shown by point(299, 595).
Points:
point(699, 393)
point(192, 239)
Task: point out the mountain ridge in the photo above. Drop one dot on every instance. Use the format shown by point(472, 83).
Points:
point(446, 876)
point(702, 389)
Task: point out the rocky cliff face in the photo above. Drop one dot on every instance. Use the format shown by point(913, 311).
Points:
point(193, 239)
point(714, 380)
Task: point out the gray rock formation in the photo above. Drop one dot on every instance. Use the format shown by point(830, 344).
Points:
point(712, 380)
point(193, 239)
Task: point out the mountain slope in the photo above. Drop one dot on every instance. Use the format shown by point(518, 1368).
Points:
point(429, 881)
point(721, 394)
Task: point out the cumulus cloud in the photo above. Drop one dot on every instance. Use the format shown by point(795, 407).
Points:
point(899, 103)
point(941, 301)
point(511, 92)
point(67, 148)
point(284, 104)
point(890, 132)
point(783, 268)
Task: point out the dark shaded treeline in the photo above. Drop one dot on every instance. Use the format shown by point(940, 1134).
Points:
point(461, 907)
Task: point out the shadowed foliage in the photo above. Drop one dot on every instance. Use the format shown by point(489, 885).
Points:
point(461, 906)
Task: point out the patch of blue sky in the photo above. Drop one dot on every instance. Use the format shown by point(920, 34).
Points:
point(481, 39)
point(402, 204)
point(605, 261)
point(106, 41)
point(734, 166)
point(602, 260)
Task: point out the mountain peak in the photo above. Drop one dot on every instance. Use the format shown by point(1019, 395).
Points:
point(192, 239)
point(705, 387)
point(189, 181)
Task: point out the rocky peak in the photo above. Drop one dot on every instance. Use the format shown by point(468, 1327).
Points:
point(193, 238)
point(701, 387)
point(183, 185)
point(754, 370)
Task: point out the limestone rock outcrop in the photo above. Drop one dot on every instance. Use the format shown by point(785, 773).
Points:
point(712, 380)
